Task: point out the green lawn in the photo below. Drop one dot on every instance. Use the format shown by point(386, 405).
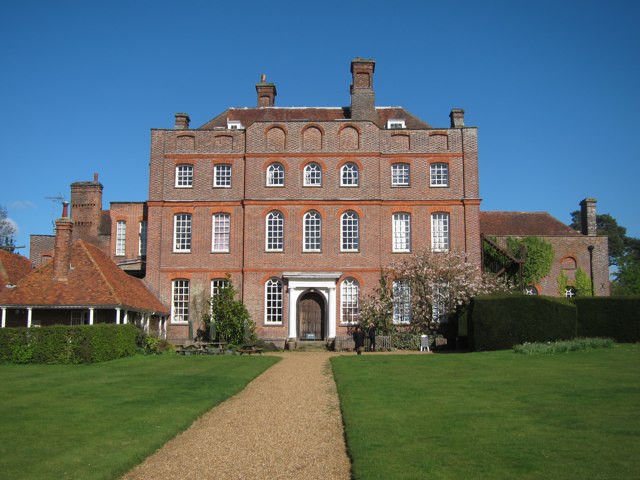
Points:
point(97, 421)
point(493, 415)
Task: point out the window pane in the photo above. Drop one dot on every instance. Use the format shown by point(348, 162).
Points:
point(349, 175)
point(401, 232)
point(180, 304)
point(350, 304)
point(221, 232)
point(275, 231)
point(182, 233)
point(350, 233)
point(312, 175)
point(222, 176)
point(400, 174)
point(439, 175)
point(273, 301)
point(275, 174)
point(218, 284)
point(121, 232)
point(312, 232)
point(440, 232)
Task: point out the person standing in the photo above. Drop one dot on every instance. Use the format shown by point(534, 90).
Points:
point(358, 339)
point(372, 337)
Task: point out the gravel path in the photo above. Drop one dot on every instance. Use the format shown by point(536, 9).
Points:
point(284, 424)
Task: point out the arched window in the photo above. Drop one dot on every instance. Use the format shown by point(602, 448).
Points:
point(275, 232)
point(312, 232)
point(401, 232)
point(182, 232)
point(221, 226)
point(217, 284)
point(349, 175)
point(275, 175)
point(312, 175)
point(349, 301)
point(349, 232)
point(273, 301)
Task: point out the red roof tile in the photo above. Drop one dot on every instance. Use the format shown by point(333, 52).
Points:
point(13, 268)
point(519, 224)
point(93, 280)
point(247, 116)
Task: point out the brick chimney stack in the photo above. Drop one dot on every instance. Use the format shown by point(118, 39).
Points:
point(363, 105)
point(457, 118)
point(266, 92)
point(86, 208)
point(182, 121)
point(62, 246)
point(588, 224)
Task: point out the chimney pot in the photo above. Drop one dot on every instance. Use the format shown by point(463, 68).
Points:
point(62, 248)
point(95, 177)
point(266, 92)
point(182, 121)
point(65, 209)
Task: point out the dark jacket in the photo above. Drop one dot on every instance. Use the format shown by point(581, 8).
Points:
point(358, 338)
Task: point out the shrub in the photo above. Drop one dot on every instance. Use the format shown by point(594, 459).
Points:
point(500, 322)
point(615, 317)
point(405, 341)
point(564, 346)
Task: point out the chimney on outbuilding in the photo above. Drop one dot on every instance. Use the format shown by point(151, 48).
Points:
point(182, 121)
point(363, 104)
point(266, 92)
point(62, 245)
point(457, 118)
point(588, 225)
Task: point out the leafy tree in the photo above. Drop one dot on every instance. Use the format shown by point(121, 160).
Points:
point(583, 284)
point(627, 278)
point(230, 317)
point(441, 284)
point(377, 307)
point(7, 231)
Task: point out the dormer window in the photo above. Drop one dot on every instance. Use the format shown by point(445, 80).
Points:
point(234, 125)
point(395, 124)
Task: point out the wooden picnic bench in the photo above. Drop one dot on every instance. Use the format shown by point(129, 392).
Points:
point(250, 349)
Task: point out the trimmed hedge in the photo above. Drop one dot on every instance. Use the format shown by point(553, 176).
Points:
point(500, 322)
point(614, 317)
point(67, 344)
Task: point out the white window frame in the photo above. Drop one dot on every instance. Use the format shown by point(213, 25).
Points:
point(312, 175)
point(275, 175)
point(440, 232)
point(274, 231)
point(121, 238)
point(312, 232)
point(234, 125)
point(218, 284)
point(222, 175)
point(396, 124)
point(184, 176)
point(349, 301)
point(349, 175)
point(439, 312)
point(570, 292)
point(349, 232)
point(400, 175)
point(180, 301)
point(182, 233)
point(401, 302)
point(142, 238)
point(273, 302)
point(220, 232)
point(401, 231)
point(439, 175)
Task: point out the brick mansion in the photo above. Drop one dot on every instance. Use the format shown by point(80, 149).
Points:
point(301, 208)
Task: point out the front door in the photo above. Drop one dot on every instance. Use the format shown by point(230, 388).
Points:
point(311, 316)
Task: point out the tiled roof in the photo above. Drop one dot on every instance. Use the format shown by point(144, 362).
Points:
point(523, 224)
point(93, 281)
point(13, 267)
point(247, 116)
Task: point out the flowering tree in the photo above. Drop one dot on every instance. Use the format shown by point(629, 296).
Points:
point(441, 283)
point(377, 307)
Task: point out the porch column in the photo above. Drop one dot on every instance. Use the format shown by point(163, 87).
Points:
point(4, 317)
point(29, 316)
point(126, 317)
point(91, 309)
point(147, 320)
point(331, 317)
point(117, 316)
point(294, 293)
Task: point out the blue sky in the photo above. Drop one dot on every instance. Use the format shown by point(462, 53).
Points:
point(553, 87)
